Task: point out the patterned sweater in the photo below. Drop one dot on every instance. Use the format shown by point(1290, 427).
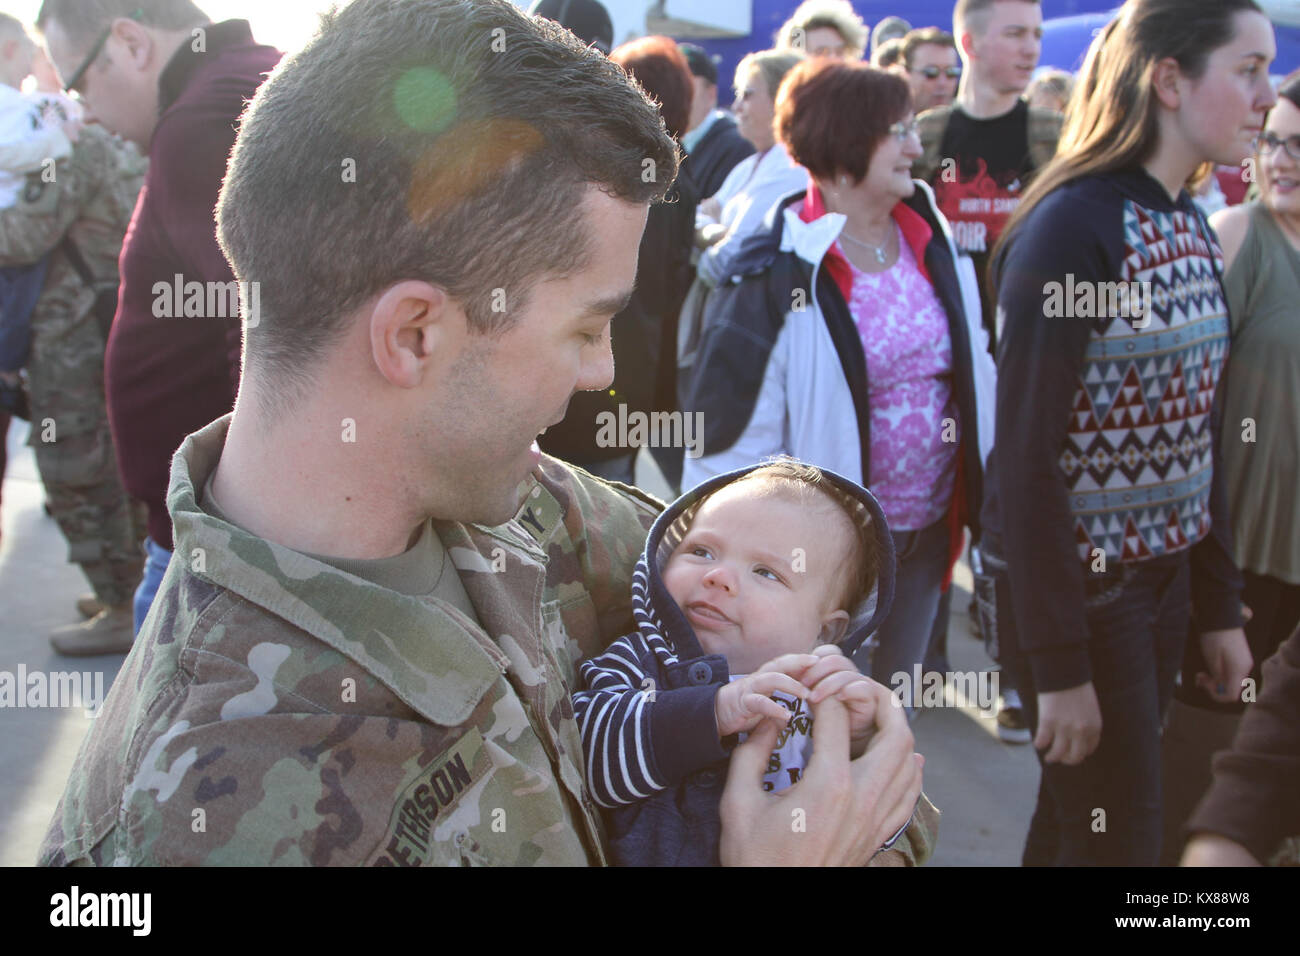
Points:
point(1114, 336)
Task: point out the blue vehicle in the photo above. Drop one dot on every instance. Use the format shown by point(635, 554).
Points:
point(729, 29)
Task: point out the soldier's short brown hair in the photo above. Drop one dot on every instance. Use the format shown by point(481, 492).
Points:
point(449, 141)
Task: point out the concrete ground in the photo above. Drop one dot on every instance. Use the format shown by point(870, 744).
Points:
point(985, 789)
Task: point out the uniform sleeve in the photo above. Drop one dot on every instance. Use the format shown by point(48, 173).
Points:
point(639, 738)
point(30, 229)
point(1039, 359)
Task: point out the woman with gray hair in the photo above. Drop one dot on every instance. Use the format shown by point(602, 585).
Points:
point(757, 182)
point(825, 28)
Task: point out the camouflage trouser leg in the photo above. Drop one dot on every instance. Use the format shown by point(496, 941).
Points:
point(78, 466)
point(87, 499)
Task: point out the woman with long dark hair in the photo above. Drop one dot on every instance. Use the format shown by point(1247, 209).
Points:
point(1105, 495)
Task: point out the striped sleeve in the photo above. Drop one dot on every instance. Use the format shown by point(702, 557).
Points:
point(613, 712)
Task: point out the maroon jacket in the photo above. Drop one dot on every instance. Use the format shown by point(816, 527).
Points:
point(167, 377)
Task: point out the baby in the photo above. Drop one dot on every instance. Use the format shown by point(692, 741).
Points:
point(34, 127)
point(741, 580)
point(34, 133)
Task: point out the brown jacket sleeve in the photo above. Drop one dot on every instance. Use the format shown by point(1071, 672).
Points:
point(1255, 797)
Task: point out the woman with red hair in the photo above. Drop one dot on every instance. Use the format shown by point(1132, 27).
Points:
point(848, 335)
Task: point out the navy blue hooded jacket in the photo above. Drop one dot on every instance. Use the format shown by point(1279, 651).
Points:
point(646, 710)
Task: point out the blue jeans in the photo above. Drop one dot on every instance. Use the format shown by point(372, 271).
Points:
point(1137, 625)
point(155, 566)
point(900, 643)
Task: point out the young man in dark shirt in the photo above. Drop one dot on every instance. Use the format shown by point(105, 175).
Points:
point(979, 153)
point(162, 75)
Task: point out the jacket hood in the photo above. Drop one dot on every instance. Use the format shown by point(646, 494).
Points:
point(656, 612)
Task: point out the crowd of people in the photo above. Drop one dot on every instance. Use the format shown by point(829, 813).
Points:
point(926, 299)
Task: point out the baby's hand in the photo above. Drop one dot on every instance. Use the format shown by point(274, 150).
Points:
point(834, 675)
point(742, 704)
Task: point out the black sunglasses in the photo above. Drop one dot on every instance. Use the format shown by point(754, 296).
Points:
point(932, 72)
point(80, 74)
point(1267, 141)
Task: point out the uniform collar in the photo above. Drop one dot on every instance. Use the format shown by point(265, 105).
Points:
point(426, 652)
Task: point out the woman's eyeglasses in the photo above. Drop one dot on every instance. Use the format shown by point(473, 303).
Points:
point(900, 130)
point(1267, 141)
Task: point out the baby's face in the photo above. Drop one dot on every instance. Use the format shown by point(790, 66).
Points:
point(757, 575)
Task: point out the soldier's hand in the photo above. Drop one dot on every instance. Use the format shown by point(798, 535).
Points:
point(840, 813)
point(835, 675)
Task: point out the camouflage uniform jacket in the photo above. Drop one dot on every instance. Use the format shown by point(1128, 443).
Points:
point(275, 710)
point(89, 197)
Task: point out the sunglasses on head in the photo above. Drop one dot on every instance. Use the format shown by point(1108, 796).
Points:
point(1267, 141)
point(80, 73)
point(933, 72)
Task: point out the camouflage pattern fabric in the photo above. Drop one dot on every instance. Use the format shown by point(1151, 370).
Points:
point(275, 710)
point(916, 846)
point(90, 198)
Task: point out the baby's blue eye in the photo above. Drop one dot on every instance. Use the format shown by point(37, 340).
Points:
point(700, 552)
point(774, 576)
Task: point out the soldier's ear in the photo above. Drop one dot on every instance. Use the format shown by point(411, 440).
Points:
point(413, 325)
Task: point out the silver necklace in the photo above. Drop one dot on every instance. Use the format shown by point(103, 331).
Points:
point(878, 250)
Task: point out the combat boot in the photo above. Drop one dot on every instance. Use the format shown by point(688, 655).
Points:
point(111, 631)
point(88, 605)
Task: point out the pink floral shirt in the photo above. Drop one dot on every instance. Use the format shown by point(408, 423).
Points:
point(904, 332)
